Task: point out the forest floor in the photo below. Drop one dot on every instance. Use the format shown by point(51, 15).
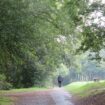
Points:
point(55, 96)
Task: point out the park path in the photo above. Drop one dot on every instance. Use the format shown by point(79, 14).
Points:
point(61, 97)
point(51, 97)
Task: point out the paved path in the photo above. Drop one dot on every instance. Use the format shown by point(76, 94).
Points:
point(50, 97)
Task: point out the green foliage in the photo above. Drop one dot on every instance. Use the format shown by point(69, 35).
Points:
point(4, 84)
point(93, 34)
point(29, 50)
point(22, 41)
point(84, 69)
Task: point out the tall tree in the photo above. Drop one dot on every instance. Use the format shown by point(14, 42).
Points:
point(29, 29)
point(93, 29)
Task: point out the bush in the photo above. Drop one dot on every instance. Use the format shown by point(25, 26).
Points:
point(4, 85)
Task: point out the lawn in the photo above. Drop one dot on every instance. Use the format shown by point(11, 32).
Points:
point(5, 101)
point(22, 90)
point(84, 89)
point(8, 101)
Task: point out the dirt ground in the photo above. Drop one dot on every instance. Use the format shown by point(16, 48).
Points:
point(55, 97)
point(32, 98)
point(49, 97)
point(91, 100)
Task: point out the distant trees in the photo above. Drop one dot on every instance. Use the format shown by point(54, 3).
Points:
point(89, 71)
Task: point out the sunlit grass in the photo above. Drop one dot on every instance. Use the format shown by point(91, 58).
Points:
point(86, 88)
point(22, 90)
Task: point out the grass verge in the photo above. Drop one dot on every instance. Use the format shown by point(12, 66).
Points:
point(85, 89)
point(5, 101)
point(22, 90)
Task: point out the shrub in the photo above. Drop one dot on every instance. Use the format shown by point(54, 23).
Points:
point(4, 85)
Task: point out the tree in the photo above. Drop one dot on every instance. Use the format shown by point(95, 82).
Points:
point(29, 29)
point(93, 29)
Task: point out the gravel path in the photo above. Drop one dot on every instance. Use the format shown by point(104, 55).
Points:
point(50, 97)
point(61, 97)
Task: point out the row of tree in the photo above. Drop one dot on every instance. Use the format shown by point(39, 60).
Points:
point(85, 70)
point(29, 30)
point(36, 36)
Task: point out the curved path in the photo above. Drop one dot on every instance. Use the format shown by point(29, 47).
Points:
point(51, 97)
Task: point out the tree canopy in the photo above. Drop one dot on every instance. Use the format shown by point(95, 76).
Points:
point(37, 36)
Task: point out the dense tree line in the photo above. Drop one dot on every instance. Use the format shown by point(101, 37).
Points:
point(29, 50)
point(36, 36)
point(89, 71)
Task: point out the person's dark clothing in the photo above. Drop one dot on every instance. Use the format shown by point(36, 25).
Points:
point(60, 79)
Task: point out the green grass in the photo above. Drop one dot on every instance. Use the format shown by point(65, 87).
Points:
point(22, 90)
point(5, 101)
point(84, 89)
point(8, 101)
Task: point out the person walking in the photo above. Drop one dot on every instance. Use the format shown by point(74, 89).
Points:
point(60, 79)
